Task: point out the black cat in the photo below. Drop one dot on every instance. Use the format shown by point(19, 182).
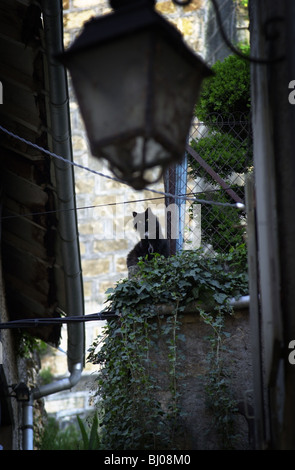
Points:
point(152, 241)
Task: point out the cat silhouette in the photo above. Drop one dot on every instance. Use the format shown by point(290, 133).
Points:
point(151, 238)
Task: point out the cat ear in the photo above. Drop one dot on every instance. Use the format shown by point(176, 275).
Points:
point(134, 214)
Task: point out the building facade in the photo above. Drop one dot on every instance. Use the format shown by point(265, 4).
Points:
point(104, 206)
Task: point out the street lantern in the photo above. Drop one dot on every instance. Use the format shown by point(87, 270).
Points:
point(136, 84)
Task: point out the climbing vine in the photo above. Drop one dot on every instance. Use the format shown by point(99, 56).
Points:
point(140, 354)
point(219, 396)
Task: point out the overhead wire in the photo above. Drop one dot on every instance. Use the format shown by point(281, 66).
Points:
point(36, 322)
point(93, 206)
point(103, 175)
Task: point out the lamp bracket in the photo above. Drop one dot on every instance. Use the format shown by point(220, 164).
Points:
point(20, 391)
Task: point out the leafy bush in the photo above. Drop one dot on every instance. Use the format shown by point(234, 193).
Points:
point(227, 92)
point(222, 226)
point(56, 439)
point(70, 438)
point(223, 152)
point(131, 414)
point(46, 375)
point(224, 109)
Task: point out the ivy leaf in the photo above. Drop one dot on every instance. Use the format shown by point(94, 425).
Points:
point(220, 297)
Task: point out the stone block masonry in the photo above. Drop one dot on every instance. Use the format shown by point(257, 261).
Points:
point(198, 420)
point(105, 206)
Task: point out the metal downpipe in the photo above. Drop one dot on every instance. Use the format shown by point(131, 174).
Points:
point(68, 231)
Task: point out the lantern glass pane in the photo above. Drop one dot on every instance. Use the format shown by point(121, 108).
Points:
point(177, 84)
point(136, 154)
point(113, 95)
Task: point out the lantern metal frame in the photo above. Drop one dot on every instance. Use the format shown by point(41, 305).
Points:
point(131, 17)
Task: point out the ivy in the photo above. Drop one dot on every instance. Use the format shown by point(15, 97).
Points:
point(139, 355)
point(219, 396)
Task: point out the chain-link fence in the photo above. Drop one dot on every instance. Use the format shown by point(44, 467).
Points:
point(219, 155)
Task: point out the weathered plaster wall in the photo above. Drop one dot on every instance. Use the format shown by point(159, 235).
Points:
point(10, 437)
point(198, 421)
point(13, 370)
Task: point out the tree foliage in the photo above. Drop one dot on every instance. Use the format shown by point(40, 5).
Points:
point(226, 146)
point(227, 92)
point(223, 152)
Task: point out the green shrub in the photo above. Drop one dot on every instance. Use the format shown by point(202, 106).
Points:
point(224, 108)
point(71, 438)
point(56, 439)
point(223, 152)
point(222, 226)
point(227, 92)
point(131, 415)
point(46, 375)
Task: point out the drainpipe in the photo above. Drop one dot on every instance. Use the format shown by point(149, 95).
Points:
point(68, 231)
point(27, 428)
point(180, 188)
point(241, 303)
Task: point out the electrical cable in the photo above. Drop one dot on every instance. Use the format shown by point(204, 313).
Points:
point(32, 214)
point(56, 211)
point(64, 319)
point(165, 194)
point(236, 51)
point(35, 322)
point(255, 60)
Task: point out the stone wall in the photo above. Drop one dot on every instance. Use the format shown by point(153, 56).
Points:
point(200, 430)
point(106, 232)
